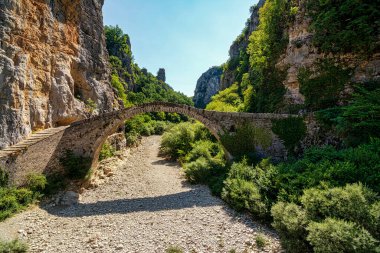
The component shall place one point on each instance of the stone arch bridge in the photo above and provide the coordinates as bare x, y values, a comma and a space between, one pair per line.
41, 152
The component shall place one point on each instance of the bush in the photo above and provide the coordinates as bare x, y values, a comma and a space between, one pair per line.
344, 26
250, 188
260, 240
242, 194
36, 182
360, 120
341, 219
322, 87
205, 164
335, 167
132, 139
227, 100
291, 221
333, 235
107, 151
206, 149
76, 167
350, 203
160, 127
14, 200
14, 246
177, 142
55, 183
174, 249
375, 219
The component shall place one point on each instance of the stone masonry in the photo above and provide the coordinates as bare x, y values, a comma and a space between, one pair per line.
86, 137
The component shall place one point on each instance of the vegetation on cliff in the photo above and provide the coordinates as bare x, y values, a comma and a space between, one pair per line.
134, 85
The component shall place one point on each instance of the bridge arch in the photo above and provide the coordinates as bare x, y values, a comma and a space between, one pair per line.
118, 119
86, 137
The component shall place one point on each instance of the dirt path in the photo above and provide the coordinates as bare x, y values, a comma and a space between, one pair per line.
146, 206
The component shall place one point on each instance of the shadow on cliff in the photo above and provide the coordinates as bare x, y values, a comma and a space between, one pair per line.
195, 197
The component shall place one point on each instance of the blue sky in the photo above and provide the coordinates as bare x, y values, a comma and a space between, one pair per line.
186, 37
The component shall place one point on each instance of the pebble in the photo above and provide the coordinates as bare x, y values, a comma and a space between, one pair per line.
146, 207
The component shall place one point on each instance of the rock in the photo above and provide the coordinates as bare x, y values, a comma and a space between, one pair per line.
119, 247
53, 60
117, 141
207, 86
69, 198
161, 75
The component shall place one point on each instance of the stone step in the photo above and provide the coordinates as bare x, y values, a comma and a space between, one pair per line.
31, 140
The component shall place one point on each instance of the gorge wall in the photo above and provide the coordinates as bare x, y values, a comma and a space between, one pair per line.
207, 86
53, 65
299, 51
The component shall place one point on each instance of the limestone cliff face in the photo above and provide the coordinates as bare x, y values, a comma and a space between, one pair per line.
207, 86
53, 62
241, 44
300, 53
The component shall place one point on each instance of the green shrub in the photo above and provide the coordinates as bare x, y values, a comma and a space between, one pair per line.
206, 149
146, 125
76, 167
375, 219
198, 171
251, 188
322, 87
119, 86
14, 246
14, 200
335, 167
107, 151
291, 221
55, 183
160, 127
205, 164
227, 100
339, 219
290, 130
260, 240
174, 249
177, 142
359, 120
242, 194
36, 182
132, 138
266, 44
351, 203
331, 235
344, 26
24, 196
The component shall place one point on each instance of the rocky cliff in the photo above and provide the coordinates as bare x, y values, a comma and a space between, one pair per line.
207, 86
301, 53
161, 75
240, 46
53, 65
295, 47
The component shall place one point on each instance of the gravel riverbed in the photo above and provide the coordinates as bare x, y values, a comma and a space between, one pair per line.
144, 205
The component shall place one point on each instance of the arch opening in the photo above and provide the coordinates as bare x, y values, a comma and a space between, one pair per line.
118, 120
